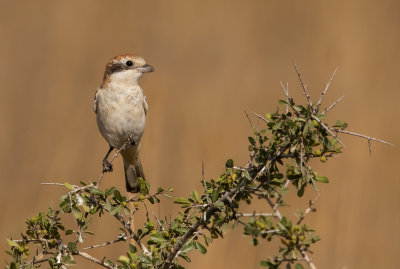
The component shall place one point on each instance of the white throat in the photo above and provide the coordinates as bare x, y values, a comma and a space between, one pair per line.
126, 78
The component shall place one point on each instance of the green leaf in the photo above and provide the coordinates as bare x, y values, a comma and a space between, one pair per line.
96, 191
144, 186
340, 125
76, 212
307, 128
182, 201
229, 163
188, 247
68, 232
276, 126
159, 189
156, 238
264, 263
252, 142
116, 210
144, 258
196, 196
85, 208
124, 260
298, 266
214, 195
118, 196
322, 179
282, 102
201, 248
69, 186
300, 191
12, 243
281, 226
185, 257
72, 246
254, 241
132, 248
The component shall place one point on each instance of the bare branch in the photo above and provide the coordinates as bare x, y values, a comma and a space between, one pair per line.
332, 106
309, 208
39, 258
248, 118
131, 233
57, 184
325, 90
286, 91
89, 257
254, 214
261, 117
131, 217
239, 168
369, 138
122, 238
303, 86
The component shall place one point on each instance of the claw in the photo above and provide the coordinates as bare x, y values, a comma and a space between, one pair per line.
107, 166
131, 140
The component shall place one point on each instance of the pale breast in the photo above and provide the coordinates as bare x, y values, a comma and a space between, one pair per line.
120, 113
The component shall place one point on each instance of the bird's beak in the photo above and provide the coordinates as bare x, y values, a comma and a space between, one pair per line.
145, 68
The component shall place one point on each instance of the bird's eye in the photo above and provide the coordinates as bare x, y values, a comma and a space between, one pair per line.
129, 63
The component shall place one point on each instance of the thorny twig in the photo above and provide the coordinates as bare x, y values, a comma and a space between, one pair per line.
369, 138
89, 257
248, 118
332, 106
303, 86
286, 91
261, 117
309, 209
325, 90
121, 238
254, 214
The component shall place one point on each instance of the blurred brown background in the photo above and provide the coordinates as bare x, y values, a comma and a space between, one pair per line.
214, 60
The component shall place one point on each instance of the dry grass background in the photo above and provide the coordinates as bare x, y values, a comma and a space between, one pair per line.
214, 59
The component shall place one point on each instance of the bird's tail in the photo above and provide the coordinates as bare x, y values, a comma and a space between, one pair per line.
133, 169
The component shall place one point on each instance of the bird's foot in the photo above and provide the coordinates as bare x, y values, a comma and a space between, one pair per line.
107, 166
132, 140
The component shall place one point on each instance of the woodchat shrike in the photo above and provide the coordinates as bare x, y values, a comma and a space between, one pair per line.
120, 106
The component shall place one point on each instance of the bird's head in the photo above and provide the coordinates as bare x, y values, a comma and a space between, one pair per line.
126, 68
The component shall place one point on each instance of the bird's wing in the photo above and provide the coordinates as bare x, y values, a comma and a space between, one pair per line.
145, 105
95, 101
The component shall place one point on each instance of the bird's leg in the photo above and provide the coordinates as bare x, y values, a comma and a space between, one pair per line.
107, 166
132, 140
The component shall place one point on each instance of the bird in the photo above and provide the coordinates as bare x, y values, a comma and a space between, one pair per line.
120, 106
